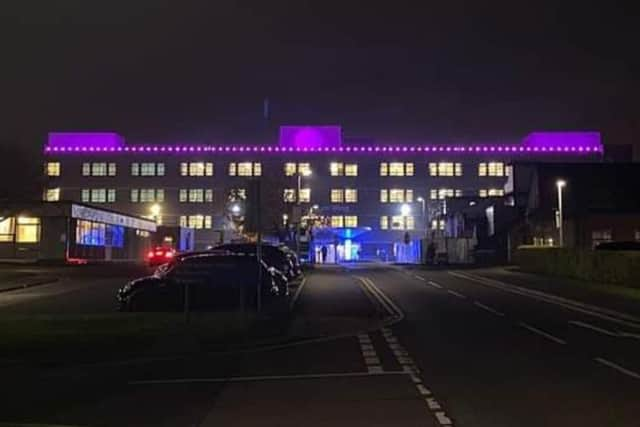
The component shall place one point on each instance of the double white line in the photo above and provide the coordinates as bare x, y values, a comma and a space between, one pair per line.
394, 312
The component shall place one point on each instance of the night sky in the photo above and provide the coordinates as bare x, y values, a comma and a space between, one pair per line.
158, 71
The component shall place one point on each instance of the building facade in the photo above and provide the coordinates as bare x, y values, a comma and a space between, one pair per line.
367, 198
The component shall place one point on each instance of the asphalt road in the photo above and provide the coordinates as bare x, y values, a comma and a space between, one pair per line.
393, 347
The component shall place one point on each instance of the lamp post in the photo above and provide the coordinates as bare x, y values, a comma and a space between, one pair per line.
305, 172
560, 184
424, 219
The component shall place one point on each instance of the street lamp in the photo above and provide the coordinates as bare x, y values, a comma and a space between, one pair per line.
424, 218
405, 209
155, 210
305, 172
560, 184
235, 209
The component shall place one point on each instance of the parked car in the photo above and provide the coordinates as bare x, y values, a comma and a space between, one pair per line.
160, 255
272, 255
212, 281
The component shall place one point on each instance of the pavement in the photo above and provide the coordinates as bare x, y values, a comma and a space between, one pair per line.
392, 346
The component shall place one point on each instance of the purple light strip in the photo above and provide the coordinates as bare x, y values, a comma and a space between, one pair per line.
346, 149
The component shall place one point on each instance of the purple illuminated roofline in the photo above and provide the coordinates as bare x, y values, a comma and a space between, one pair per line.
419, 149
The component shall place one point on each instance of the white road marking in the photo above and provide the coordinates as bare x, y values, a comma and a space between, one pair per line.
416, 379
592, 310
423, 390
617, 367
434, 284
369, 353
391, 340
542, 333
592, 327
395, 313
367, 347
487, 308
420, 278
405, 360
373, 360
266, 378
443, 419
395, 346
375, 369
432, 403
294, 300
617, 334
457, 294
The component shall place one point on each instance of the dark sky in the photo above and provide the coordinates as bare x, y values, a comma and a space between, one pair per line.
159, 71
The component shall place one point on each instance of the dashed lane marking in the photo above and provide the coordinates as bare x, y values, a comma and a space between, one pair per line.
487, 308
592, 310
420, 278
542, 333
372, 360
456, 294
434, 284
443, 419
423, 390
432, 403
368, 353
617, 334
618, 368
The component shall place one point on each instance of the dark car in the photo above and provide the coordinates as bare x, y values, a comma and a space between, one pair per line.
212, 281
272, 255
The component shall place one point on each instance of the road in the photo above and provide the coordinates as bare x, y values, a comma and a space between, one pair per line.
392, 347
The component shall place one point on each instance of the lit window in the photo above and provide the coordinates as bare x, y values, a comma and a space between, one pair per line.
442, 193
85, 195
337, 195
409, 223
397, 195
196, 195
491, 192
350, 195
86, 169
336, 168
351, 169
305, 195
195, 221
445, 169
437, 224
98, 195
98, 169
289, 195
397, 222
491, 169
289, 169
6, 230
384, 195
160, 169
135, 169
245, 169
111, 169
304, 169
350, 221
53, 168
384, 223
600, 236
237, 194
396, 169
147, 169
111, 195
28, 230
147, 195
337, 221
194, 169
52, 195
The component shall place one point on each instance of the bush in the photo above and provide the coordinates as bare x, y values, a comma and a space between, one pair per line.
616, 267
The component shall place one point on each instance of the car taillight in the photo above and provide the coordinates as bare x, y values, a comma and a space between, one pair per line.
168, 254
150, 254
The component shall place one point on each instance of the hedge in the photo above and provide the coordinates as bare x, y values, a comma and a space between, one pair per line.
616, 267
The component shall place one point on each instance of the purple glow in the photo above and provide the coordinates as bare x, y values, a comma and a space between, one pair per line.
312, 137
85, 139
589, 141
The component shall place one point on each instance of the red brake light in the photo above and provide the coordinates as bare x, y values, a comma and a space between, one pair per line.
150, 254
168, 254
